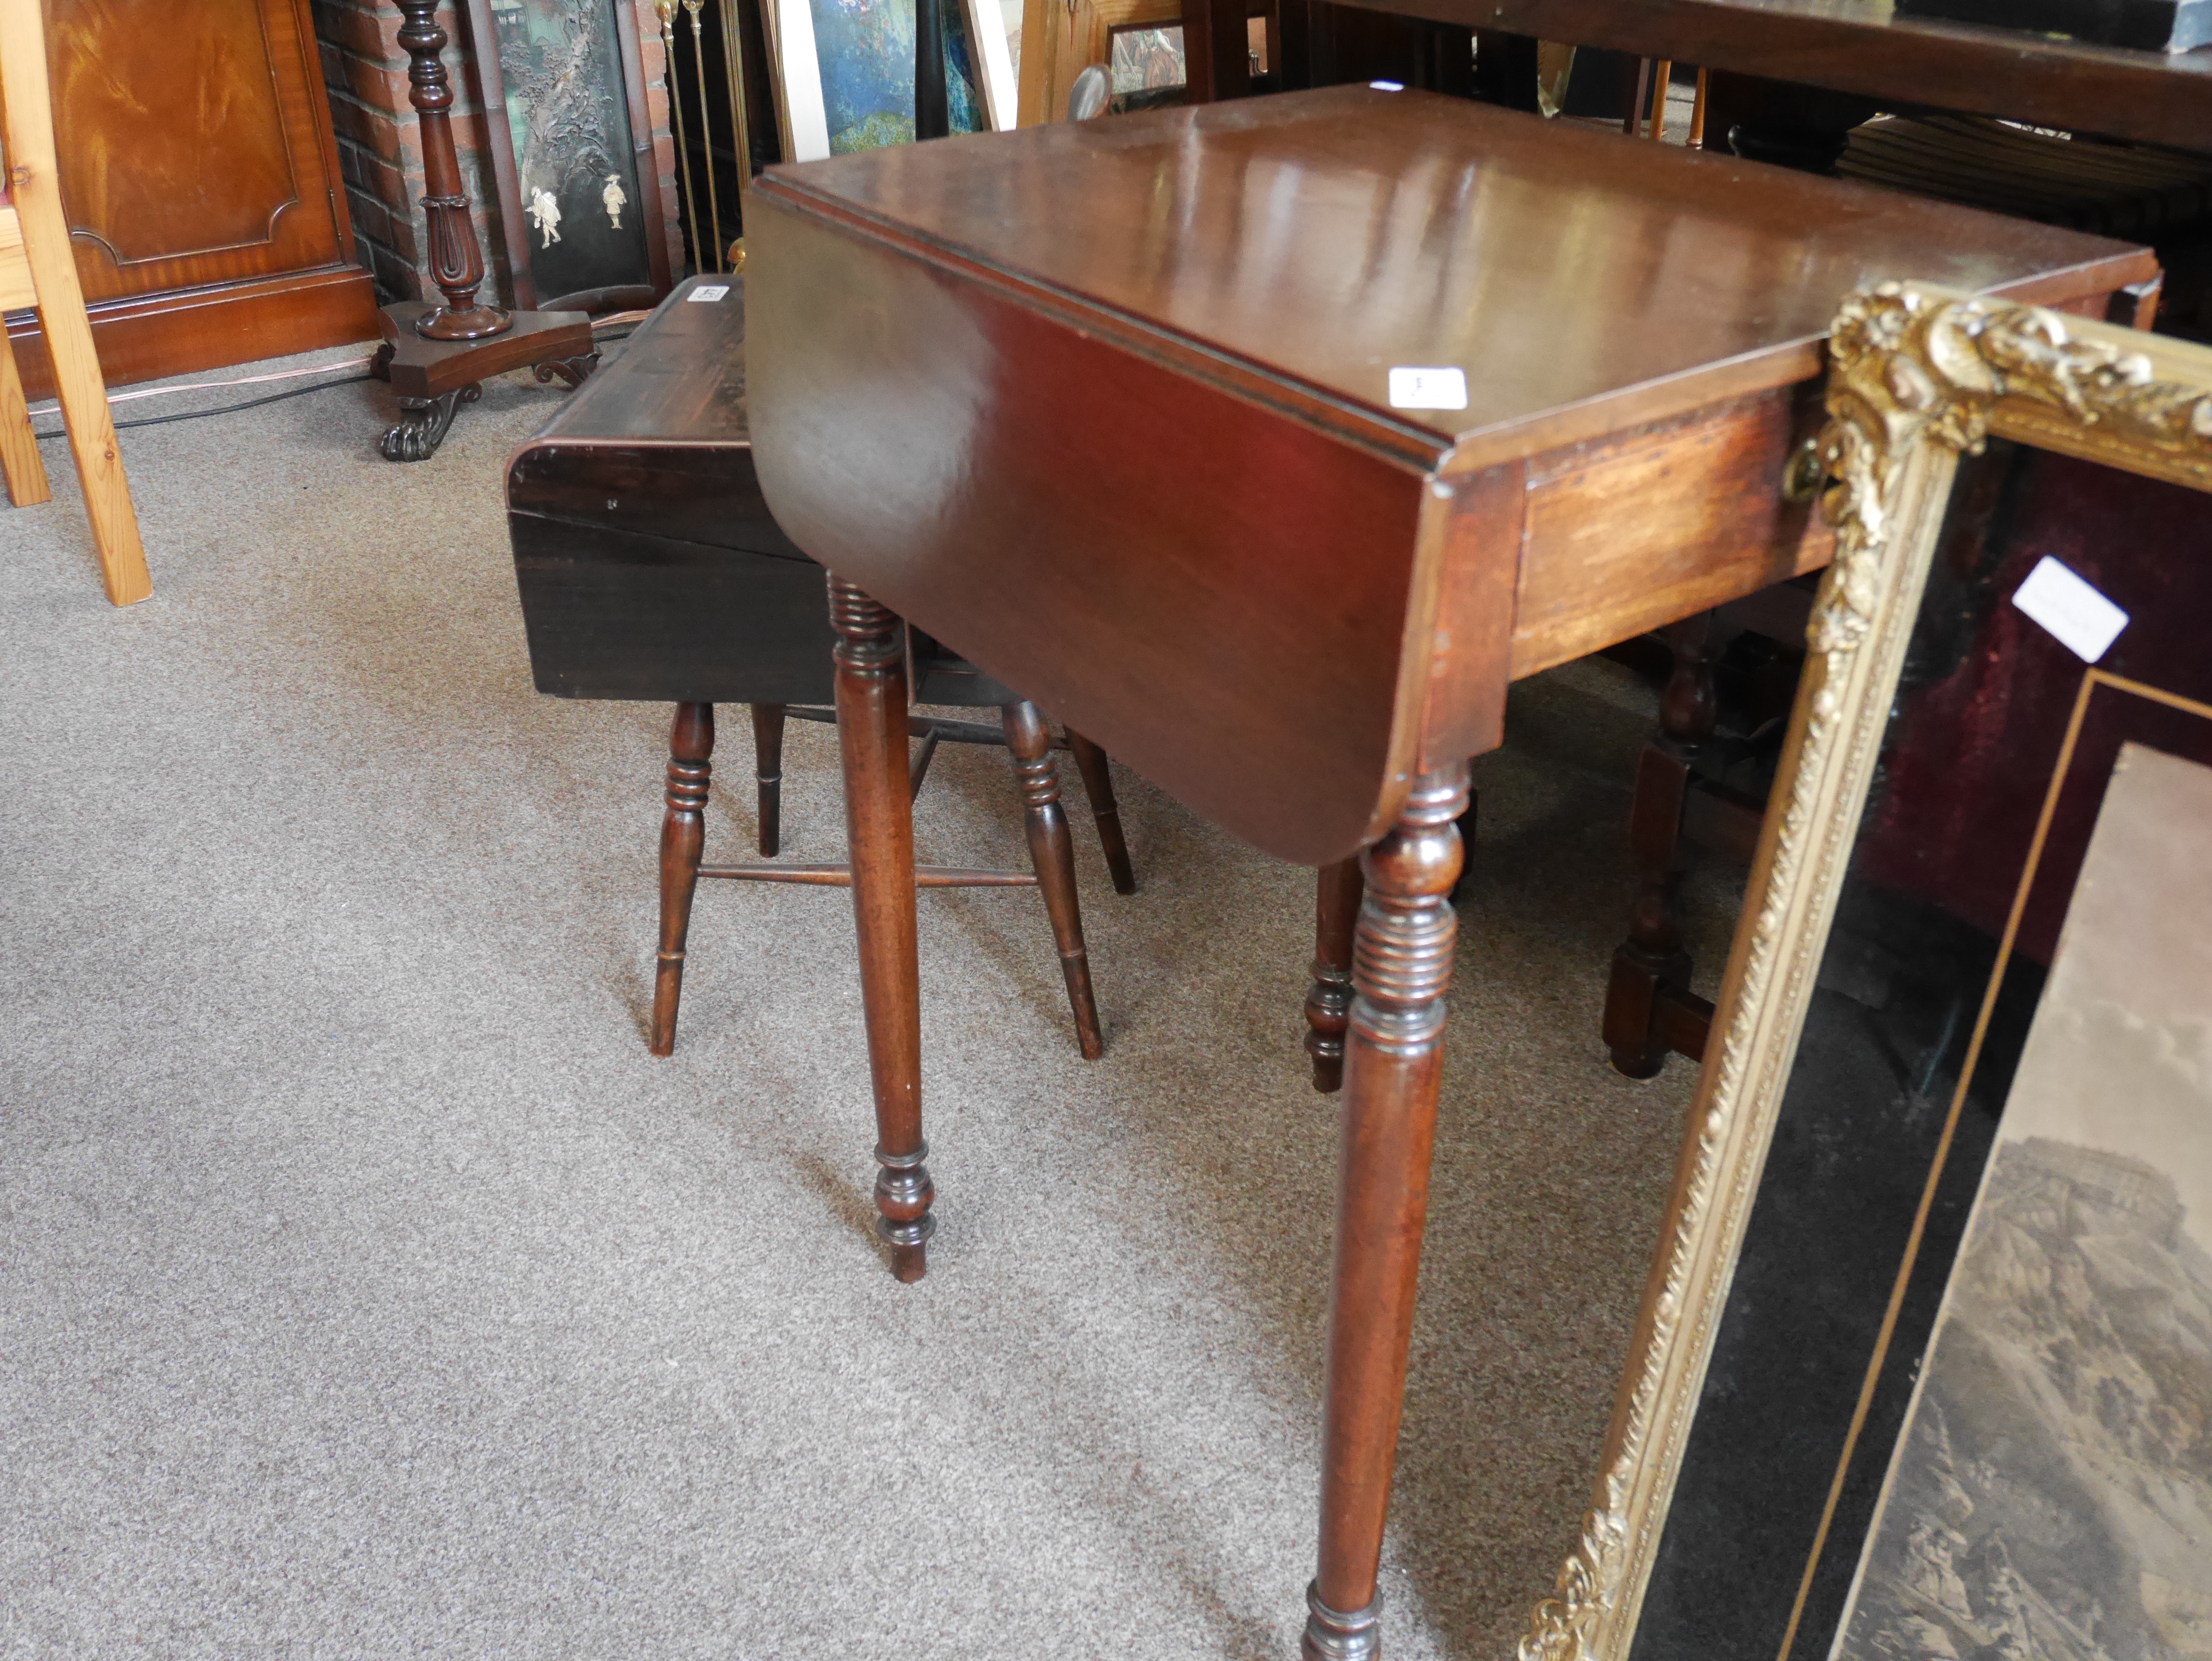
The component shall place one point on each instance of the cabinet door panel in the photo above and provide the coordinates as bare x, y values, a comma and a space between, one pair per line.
192, 142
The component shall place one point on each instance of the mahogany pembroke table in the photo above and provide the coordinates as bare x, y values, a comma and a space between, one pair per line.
1108, 408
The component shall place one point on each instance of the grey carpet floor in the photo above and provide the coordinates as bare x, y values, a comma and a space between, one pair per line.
366, 1289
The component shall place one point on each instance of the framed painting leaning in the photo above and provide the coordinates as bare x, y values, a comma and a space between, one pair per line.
1924, 1371
845, 71
579, 203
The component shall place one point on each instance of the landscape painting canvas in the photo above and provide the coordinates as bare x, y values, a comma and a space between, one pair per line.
863, 51
848, 72
2051, 1498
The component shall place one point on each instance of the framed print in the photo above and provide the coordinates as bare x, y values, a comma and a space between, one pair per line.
2051, 1492
578, 194
1996, 675
845, 71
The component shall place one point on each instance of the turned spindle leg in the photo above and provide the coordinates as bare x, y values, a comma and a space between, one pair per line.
1098, 785
871, 734
1050, 852
1328, 1006
1393, 1065
768, 769
683, 833
1651, 960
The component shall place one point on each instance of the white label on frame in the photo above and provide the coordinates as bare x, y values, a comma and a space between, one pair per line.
2084, 621
1428, 389
708, 291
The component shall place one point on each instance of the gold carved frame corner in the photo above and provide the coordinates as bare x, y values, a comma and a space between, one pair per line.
1918, 376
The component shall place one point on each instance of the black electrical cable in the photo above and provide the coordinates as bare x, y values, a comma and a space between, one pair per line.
256, 403
226, 409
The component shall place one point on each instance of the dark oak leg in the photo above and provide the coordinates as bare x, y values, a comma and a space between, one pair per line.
1098, 785
683, 834
768, 768
1328, 1006
1394, 1063
1050, 852
879, 830
1651, 960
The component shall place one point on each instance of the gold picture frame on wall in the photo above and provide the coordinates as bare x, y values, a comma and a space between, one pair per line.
1919, 377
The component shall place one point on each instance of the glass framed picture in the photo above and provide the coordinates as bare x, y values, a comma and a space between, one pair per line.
578, 194
845, 72
1925, 1370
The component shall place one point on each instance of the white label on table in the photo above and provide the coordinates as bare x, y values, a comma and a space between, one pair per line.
1428, 389
1387, 85
2085, 622
708, 291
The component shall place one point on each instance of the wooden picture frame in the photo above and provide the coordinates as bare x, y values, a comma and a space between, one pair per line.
805, 116
1062, 38
1918, 377
616, 272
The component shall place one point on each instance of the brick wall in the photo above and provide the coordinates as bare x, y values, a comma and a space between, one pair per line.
380, 144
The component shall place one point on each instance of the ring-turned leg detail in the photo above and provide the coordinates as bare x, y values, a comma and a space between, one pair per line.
683, 836
1328, 1006
872, 720
1030, 741
1335, 1636
1394, 1061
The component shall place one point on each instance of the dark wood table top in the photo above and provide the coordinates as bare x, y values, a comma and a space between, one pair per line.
1300, 246
1864, 46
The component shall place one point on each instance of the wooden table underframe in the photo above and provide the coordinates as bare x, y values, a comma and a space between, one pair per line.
1134, 458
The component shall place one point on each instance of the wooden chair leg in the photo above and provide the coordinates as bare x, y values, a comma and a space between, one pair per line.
1652, 962
1030, 741
1394, 1063
1328, 1006
871, 715
1099, 786
34, 186
19, 461
768, 769
683, 835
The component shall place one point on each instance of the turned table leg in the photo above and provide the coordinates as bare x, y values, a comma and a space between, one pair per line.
1651, 960
872, 732
1098, 784
768, 772
683, 834
1030, 742
1328, 1006
1393, 1065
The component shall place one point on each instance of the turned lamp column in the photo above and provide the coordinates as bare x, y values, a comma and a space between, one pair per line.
456, 262
436, 355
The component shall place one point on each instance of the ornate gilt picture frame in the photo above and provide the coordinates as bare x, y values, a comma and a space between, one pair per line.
1919, 376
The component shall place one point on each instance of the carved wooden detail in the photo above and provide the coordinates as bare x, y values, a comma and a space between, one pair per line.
1030, 740
682, 838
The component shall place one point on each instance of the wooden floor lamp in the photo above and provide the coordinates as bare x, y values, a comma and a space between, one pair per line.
436, 356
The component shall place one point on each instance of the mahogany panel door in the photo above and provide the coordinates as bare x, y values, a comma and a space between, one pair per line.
201, 183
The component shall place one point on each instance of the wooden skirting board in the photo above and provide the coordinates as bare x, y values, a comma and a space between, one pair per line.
146, 337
